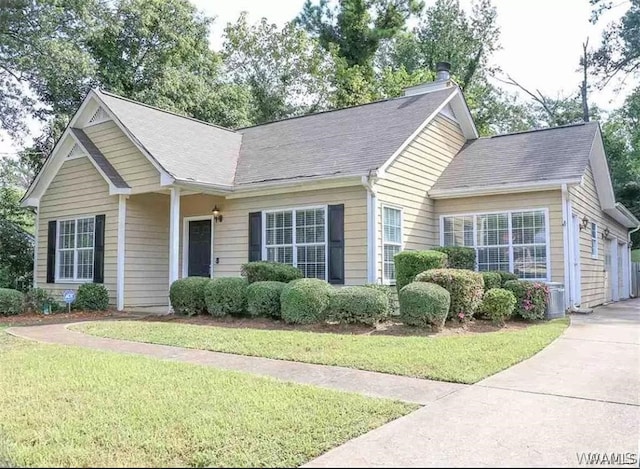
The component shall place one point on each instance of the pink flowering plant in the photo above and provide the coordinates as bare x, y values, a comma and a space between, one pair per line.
532, 298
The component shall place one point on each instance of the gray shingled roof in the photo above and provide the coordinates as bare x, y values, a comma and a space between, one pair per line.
535, 156
96, 155
346, 141
186, 148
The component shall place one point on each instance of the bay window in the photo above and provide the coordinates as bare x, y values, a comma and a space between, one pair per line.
75, 249
391, 241
515, 241
298, 237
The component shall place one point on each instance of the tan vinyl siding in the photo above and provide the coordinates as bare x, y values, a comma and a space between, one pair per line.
552, 200
147, 251
408, 179
125, 157
231, 235
78, 191
594, 281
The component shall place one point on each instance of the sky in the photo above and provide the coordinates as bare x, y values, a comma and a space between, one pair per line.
541, 40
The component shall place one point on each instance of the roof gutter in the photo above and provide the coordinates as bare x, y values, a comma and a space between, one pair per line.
308, 183
502, 189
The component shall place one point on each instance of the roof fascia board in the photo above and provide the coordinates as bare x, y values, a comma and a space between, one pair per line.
260, 189
382, 170
164, 174
45, 170
600, 169
464, 117
502, 189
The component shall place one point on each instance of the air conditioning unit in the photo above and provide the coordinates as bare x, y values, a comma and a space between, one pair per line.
556, 307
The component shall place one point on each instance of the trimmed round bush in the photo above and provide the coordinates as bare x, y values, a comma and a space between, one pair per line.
532, 298
498, 304
506, 276
266, 271
358, 304
92, 297
410, 263
392, 296
424, 304
10, 301
263, 298
459, 257
491, 280
226, 295
465, 287
187, 295
305, 301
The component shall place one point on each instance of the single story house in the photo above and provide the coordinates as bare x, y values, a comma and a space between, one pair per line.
136, 197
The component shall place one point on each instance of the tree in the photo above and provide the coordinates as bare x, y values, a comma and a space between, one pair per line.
356, 27
619, 52
286, 71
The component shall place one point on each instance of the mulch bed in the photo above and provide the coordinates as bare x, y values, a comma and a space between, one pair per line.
34, 319
392, 328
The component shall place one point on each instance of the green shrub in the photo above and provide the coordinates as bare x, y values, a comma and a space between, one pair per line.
305, 301
506, 276
498, 304
459, 257
532, 298
424, 304
392, 296
226, 295
263, 298
266, 271
187, 295
36, 299
465, 287
410, 263
491, 280
10, 301
358, 304
92, 297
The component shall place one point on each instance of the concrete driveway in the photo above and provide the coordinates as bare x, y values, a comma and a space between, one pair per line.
579, 395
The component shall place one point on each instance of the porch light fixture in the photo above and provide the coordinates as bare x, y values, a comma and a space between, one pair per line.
217, 216
605, 233
584, 224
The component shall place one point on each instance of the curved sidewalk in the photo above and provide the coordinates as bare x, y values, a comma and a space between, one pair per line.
420, 391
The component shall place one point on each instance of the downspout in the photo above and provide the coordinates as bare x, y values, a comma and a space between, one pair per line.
567, 246
372, 211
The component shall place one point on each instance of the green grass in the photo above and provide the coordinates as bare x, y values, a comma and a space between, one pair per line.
461, 359
635, 255
71, 407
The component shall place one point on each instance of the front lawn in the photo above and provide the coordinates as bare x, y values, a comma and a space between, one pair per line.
72, 407
461, 359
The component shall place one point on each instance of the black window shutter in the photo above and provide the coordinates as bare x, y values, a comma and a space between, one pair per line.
336, 244
51, 251
255, 236
98, 250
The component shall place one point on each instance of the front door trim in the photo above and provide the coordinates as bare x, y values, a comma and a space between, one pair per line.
185, 243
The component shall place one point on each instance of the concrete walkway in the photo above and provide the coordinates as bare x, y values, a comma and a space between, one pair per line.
580, 394
414, 390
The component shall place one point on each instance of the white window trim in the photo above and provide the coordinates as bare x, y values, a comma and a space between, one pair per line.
75, 278
185, 243
511, 245
294, 245
385, 280
594, 240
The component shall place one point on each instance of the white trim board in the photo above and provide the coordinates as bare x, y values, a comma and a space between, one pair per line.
185, 243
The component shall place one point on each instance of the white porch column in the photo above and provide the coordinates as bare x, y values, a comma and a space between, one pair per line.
174, 234
122, 219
